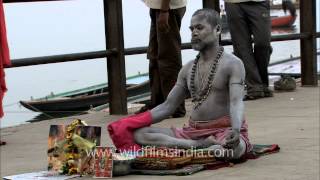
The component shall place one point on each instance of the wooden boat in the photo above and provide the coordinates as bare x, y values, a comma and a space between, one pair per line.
134, 103
83, 99
276, 21
283, 21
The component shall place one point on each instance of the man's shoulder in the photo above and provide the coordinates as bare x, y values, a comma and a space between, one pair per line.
231, 63
186, 68
230, 59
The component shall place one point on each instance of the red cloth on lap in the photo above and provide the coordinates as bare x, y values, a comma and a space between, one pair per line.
121, 131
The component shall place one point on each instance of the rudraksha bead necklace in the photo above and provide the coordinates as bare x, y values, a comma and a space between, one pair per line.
203, 93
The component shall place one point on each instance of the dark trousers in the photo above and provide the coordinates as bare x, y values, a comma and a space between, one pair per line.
164, 53
245, 20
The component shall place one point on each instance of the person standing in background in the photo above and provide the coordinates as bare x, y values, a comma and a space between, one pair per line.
247, 18
164, 51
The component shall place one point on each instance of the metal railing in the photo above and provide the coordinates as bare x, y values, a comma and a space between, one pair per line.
129, 51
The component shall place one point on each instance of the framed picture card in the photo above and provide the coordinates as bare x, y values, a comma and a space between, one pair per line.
103, 162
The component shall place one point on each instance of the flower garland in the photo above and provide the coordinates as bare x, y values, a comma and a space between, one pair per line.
71, 150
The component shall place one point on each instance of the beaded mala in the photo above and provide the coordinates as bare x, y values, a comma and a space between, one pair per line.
203, 94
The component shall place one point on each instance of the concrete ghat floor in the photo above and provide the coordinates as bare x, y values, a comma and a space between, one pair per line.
290, 119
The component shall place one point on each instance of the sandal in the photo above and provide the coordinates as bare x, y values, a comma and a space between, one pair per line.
253, 95
248, 98
268, 93
2, 143
285, 83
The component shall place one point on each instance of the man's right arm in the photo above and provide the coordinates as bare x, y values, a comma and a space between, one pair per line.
175, 98
164, 110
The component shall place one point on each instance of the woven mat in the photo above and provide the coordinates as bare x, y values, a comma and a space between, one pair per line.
258, 150
187, 170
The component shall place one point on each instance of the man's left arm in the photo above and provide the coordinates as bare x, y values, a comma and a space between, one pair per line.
163, 20
236, 91
165, 5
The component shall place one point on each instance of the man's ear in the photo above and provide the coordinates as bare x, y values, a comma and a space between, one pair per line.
218, 29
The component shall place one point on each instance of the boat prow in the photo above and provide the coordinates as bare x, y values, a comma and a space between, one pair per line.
283, 21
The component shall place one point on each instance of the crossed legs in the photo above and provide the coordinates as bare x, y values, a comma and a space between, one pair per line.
154, 136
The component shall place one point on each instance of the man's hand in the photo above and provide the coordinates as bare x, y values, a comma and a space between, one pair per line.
163, 21
232, 139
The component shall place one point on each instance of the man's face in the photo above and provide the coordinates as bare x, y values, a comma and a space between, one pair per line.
202, 33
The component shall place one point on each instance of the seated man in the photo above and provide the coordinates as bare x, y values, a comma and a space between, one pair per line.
215, 81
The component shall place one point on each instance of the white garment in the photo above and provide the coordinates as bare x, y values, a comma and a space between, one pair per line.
174, 4
239, 1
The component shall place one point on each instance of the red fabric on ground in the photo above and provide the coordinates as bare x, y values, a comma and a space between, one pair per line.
121, 131
4, 55
260, 150
257, 151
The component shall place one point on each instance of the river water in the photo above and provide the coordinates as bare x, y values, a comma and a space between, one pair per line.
50, 28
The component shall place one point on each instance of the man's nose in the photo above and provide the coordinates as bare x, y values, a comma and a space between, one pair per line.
195, 33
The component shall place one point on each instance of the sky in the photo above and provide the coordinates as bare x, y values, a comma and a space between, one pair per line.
62, 24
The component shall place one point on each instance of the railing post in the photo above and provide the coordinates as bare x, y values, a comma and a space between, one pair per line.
308, 46
214, 4
115, 63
